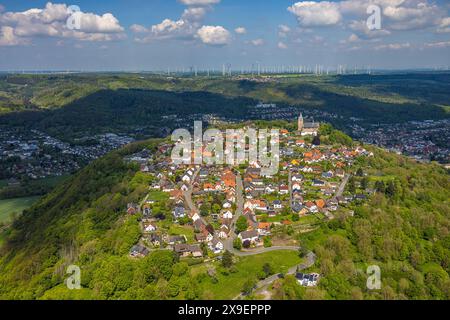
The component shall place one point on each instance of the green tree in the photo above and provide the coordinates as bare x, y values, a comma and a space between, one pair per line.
351, 185
237, 244
227, 259
241, 224
248, 286
267, 242
360, 172
267, 269
391, 189
364, 183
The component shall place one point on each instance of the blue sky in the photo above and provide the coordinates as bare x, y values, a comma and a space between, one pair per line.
157, 34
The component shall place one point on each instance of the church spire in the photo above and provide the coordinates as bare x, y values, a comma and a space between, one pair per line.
300, 122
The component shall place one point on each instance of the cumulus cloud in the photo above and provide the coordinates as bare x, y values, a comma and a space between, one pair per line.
393, 46
185, 28
51, 21
420, 15
283, 30
441, 44
8, 38
444, 25
137, 28
397, 15
257, 42
199, 2
316, 14
193, 14
282, 45
240, 30
362, 31
214, 35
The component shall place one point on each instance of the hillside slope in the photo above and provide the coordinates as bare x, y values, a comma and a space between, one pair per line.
83, 222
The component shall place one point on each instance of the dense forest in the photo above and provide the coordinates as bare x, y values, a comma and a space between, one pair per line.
127, 110
404, 229
95, 103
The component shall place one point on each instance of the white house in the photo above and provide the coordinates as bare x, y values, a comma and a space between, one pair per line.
251, 236
150, 228
224, 231
216, 246
227, 214
226, 205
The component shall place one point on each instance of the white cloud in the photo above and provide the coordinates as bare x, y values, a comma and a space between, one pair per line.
214, 35
240, 30
282, 45
185, 28
414, 16
442, 44
257, 42
137, 28
362, 31
444, 25
199, 2
51, 21
393, 46
193, 14
316, 14
398, 15
353, 38
8, 38
283, 30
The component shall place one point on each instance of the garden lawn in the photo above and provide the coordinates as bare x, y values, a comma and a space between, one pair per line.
16, 205
229, 286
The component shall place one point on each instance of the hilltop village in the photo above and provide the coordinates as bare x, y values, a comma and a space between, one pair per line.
202, 211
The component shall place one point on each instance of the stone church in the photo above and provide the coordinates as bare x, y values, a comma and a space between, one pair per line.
307, 128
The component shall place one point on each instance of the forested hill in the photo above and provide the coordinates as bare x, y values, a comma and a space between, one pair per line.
83, 221
125, 110
115, 101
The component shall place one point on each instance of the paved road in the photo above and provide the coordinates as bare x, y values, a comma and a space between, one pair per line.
291, 200
342, 186
188, 194
228, 243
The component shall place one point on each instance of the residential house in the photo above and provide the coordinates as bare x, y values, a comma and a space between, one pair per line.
150, 228
216, 246
318, 183
252, 236
307, 280
139, 251
277, 204
264, 228
178, 212
173, 240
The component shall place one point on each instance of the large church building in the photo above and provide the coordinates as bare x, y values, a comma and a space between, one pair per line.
307, 128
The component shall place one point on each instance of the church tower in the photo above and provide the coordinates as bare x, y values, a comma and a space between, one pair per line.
300, 123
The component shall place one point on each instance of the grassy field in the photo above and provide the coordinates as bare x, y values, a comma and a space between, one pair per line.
7, 207
3, 183
182, 230
158, 196
229, 286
